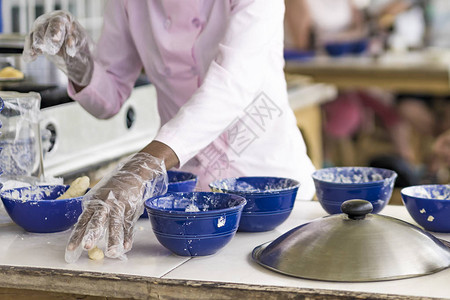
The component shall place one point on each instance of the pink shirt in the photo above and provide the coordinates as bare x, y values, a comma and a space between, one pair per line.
217, 66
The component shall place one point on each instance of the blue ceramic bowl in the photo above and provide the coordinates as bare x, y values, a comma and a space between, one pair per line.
336, 185
346, 48
195, 223
429, 205
179, 181
300, 55
36, 210
269, 199
338, 49
360, 46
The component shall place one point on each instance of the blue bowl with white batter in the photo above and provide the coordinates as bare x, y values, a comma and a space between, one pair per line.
36, 209
270, 200
195, 223
339, 184
429, 205
178, 181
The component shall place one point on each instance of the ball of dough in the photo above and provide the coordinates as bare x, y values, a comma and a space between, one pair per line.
96, 254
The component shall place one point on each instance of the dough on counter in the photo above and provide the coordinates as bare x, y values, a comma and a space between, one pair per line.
11, 73
77, 188
96, 253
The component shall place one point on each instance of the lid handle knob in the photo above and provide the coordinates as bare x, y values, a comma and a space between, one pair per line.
356, 209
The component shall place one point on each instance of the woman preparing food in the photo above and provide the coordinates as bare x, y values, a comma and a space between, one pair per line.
218, 70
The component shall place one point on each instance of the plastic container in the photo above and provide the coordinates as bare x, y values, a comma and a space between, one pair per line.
22, 154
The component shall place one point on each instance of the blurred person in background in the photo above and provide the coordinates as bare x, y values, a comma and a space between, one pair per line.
312, 24
438, 16
439, 39
218, 70
402, 24
334, 24
441, 148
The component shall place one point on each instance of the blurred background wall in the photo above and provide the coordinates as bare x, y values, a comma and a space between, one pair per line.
18, 15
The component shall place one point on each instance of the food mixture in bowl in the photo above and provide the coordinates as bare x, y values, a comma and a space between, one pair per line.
352, 174
53, 208
254, 184
438, 192
339, 184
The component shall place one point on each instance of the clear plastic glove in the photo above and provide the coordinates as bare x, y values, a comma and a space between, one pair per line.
113, 206
59, 37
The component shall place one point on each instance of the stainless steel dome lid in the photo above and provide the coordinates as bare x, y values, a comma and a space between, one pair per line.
355, 246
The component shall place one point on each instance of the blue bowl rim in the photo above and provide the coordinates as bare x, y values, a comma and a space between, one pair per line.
404, 191
195, 236
3, 197
162, 212
266, 213
296, 184
182, 181
214, 214
376, 182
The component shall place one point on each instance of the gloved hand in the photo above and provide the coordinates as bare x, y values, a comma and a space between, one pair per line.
64, 41
112, 207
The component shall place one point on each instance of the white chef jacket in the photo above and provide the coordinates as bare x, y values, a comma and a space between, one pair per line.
218, 70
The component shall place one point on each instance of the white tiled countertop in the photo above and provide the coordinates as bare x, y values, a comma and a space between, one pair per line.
232, 265
46, 250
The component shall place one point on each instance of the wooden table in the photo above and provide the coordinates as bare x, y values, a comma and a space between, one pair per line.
33, 266
412, 73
